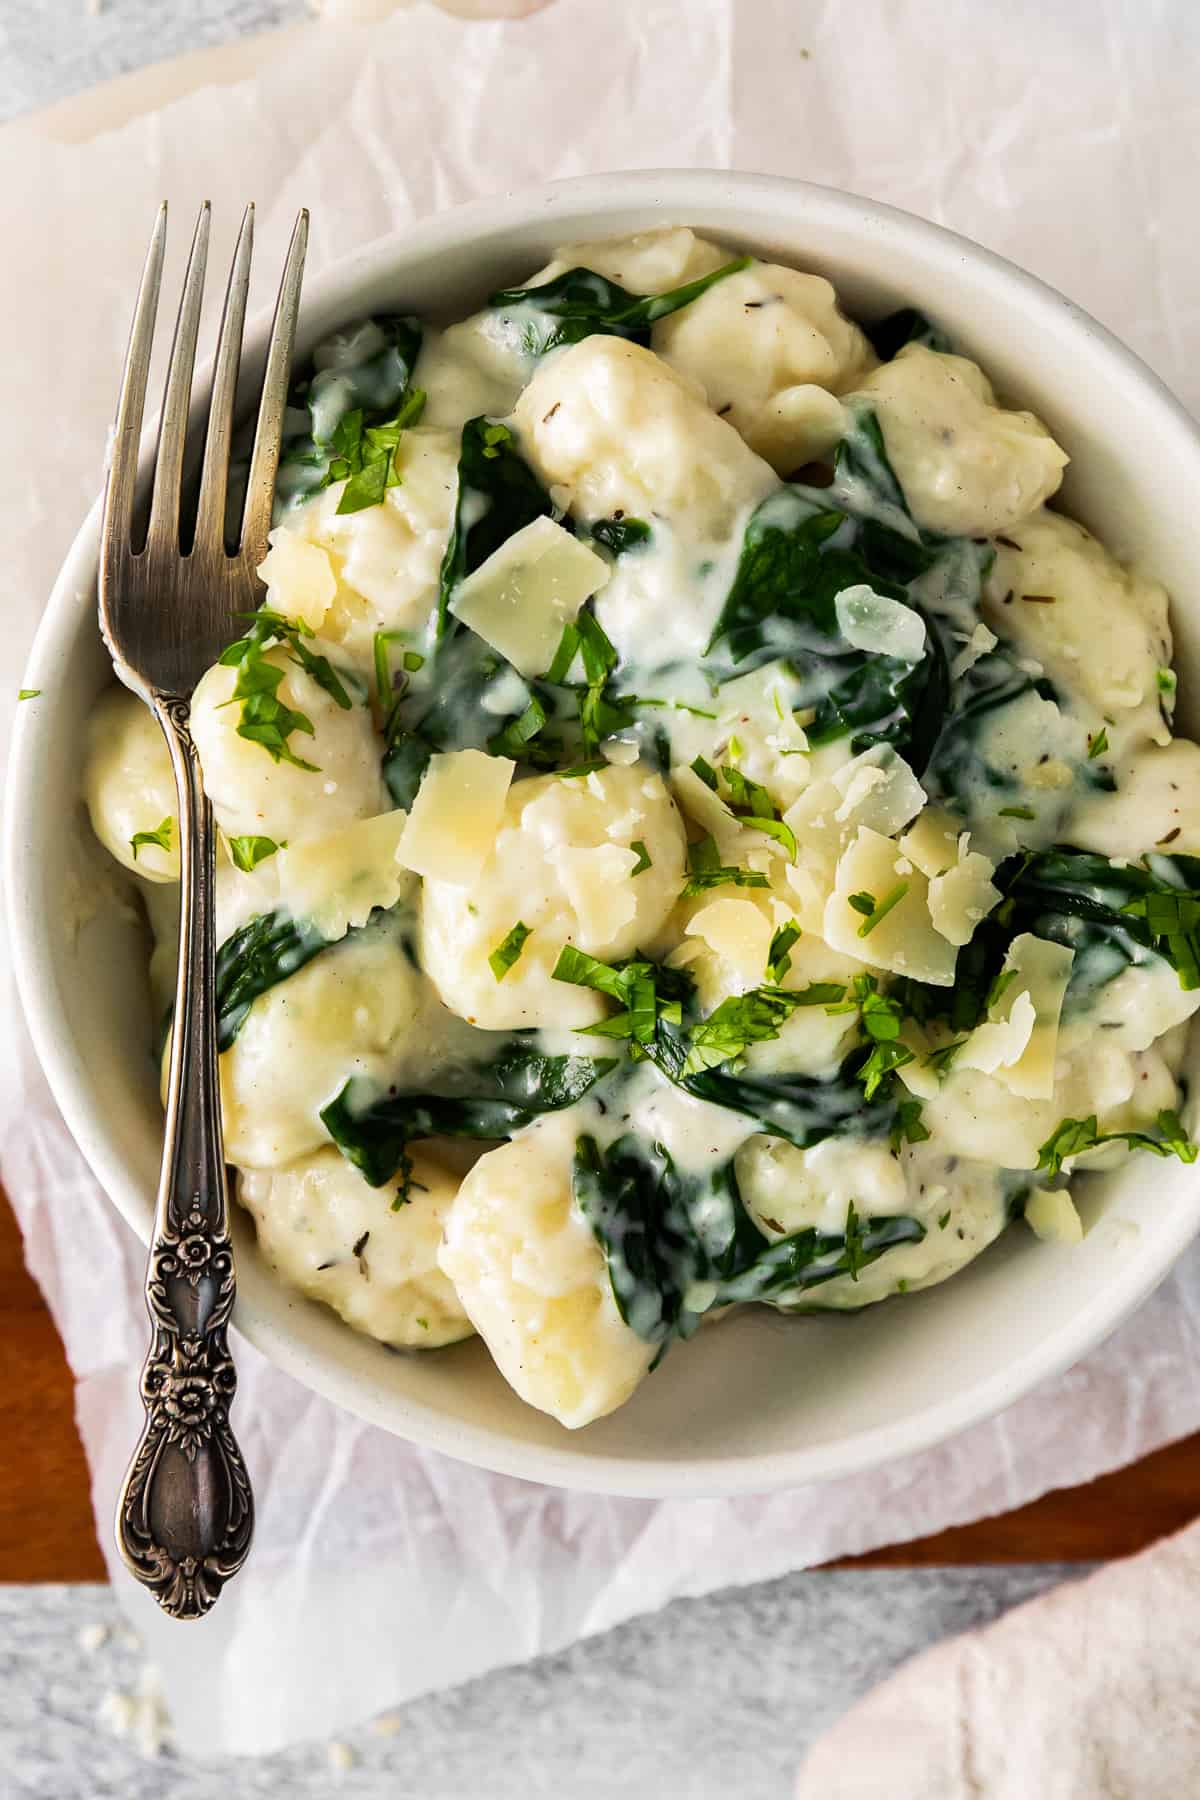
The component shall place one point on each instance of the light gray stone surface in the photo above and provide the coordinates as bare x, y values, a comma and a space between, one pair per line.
708, 1700
712, 1697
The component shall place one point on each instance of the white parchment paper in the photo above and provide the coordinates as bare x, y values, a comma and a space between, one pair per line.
1055, 133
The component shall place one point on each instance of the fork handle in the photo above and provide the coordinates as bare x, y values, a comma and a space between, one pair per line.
186, 1514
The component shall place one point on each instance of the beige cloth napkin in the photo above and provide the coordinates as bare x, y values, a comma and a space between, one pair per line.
1091, 1692
1007, 123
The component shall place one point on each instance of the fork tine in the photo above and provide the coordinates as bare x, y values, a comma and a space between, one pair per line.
127, 429
268, 432
214, 478
172, 431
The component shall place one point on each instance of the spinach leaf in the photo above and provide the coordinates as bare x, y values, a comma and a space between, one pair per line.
620, 534
889, 335
263, 952
797, 556
579, 303
332, 413
663, 1233
958, 769
490, 1098
498, 495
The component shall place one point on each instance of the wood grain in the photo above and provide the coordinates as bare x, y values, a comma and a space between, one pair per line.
47, 1531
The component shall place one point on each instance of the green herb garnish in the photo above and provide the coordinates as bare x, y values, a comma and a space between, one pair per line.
248, 852
643, 858
1074, 1136
778, 959
161, 836
505, 954
878, 910
1098, 744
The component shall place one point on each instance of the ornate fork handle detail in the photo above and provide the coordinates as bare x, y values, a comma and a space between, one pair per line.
186, 1514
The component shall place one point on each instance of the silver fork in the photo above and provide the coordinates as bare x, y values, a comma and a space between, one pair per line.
186, 1513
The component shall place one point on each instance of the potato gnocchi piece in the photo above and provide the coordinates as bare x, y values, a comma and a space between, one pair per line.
252, 794
1097, 627
534, 1282
971, 1114
960, 1202
562, 866
771, 347
338, 1240
354, 1010
1157, 803
649, 262
469, 369
128, 784
966, 465
349, 575
616, 430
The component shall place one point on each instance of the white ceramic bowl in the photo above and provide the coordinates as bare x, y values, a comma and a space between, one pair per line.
764, 1401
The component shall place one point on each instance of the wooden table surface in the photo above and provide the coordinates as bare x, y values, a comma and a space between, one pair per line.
47, 1532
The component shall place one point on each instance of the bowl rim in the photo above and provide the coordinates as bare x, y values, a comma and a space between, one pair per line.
672, 193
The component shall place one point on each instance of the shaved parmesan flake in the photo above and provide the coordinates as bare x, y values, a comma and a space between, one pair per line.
710, 813
1043, 971
884, 805
904, 939
999, 1043
300, 580
932, 841
880, 625
519, 600
335, 882
597, 884
739, 933
455, 816
1051, 1215
978, 644
962, 898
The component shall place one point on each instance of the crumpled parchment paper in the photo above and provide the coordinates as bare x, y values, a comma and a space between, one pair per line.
1053, 134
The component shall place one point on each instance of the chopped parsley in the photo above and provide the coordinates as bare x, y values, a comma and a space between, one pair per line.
941, 1058
161, 836
248, 852
505, 954
1098, 744
877, 910
643, 858
854, 1252
28, 693
632, 985
944, 1221
909, 1128
265, 718
884, 1058
778, 959
706, 772
1016, 812
365, 457
708, 871
739, 1021
1074, 1136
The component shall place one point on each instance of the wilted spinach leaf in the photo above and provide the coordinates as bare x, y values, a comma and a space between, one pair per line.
490, 1098
579, 303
